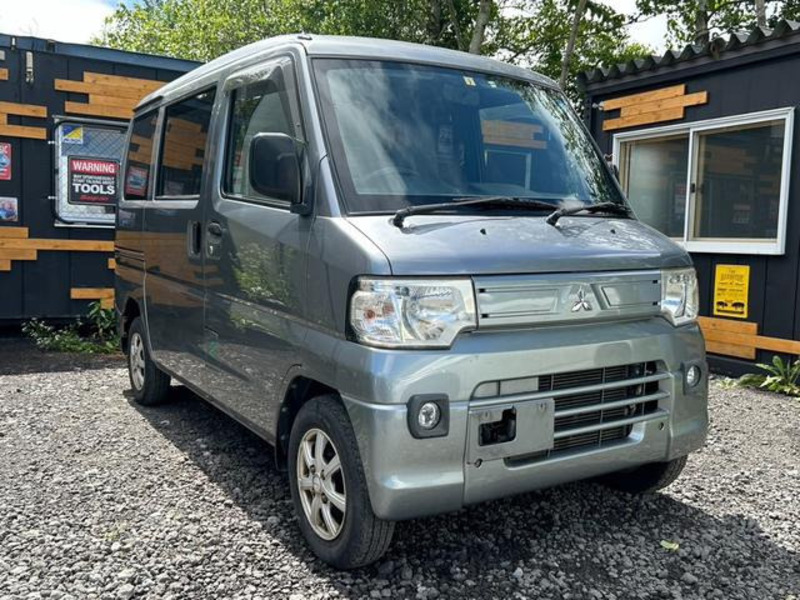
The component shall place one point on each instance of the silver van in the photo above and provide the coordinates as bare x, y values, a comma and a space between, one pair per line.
409, 270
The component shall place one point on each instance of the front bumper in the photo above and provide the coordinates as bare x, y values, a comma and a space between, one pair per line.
409, 477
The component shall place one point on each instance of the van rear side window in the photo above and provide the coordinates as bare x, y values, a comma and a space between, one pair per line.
184, 145
140, 157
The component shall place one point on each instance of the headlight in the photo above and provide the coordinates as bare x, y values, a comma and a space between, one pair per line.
405, 313
679, 298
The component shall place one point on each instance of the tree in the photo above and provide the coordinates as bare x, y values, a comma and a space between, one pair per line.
532, 33
699, 20
576, 22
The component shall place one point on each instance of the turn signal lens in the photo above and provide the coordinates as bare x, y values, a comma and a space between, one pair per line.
679, 296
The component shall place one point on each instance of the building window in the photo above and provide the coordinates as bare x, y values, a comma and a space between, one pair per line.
653, 174
183, 149
716, 186
88, 156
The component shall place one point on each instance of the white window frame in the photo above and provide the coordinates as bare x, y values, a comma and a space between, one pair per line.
732, 245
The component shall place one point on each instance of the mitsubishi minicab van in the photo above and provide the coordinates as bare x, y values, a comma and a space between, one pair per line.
411, 271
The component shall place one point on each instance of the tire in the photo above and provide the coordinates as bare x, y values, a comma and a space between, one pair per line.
150, 384
647, 478
345, 539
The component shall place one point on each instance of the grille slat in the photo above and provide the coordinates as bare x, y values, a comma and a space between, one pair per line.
605, 436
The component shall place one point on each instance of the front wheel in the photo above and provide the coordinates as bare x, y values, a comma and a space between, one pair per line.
647, 478
149, 383
329, 489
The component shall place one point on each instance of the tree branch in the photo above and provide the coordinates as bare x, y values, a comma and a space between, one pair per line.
484, 12
451, 6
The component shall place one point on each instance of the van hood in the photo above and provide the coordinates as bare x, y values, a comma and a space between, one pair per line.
476, 245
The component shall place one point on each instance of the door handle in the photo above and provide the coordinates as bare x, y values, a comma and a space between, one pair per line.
214, 229
193, 239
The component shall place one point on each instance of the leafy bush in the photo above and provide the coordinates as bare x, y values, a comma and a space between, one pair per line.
781, 376
97, 334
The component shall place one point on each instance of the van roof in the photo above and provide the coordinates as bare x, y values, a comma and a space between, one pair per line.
343, 46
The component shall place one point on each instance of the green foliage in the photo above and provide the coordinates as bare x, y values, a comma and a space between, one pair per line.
95, 335
781, 376
531, 33
685, 18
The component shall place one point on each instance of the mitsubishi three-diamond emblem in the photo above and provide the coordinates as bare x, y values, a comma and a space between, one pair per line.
581, 303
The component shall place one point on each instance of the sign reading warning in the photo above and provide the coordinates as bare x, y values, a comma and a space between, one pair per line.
731, 288
93, 181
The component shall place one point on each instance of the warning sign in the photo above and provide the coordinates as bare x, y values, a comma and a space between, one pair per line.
93, 181
5, 161
731, 287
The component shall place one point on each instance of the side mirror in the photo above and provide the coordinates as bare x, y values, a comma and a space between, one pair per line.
275, 167
611, 165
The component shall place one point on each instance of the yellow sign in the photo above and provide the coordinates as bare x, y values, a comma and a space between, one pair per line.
731, 287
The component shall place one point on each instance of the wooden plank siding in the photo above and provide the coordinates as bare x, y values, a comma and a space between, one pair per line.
20, 109
655, 106
110, 96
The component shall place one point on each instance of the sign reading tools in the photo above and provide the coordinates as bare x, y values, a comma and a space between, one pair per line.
93, 181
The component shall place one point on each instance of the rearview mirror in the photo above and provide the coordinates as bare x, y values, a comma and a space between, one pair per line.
275, 167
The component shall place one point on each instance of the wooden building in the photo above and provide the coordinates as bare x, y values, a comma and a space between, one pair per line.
707, 152
64, 109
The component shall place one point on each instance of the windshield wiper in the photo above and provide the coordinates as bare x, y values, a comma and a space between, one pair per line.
516, 201
609, 207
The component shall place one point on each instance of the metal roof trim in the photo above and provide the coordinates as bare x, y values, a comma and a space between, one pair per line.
716, 48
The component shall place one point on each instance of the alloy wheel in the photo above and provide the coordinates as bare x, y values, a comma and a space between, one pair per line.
320, 481
136, 359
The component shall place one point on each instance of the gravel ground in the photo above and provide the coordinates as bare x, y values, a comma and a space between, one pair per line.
100, 498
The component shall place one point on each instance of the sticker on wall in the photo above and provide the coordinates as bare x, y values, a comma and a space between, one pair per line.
93, 181
9, 209
5, 161
71, 134
731, 288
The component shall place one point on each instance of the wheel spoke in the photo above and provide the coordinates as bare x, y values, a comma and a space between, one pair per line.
316, 505
319, 449
308, 457
332, 466
330, 522
334, 497
306, 483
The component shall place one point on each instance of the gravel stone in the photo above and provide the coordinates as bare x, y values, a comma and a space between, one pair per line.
101, 499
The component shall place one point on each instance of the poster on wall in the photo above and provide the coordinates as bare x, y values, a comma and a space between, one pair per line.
9, 209
5, 161
731, 289
93, 181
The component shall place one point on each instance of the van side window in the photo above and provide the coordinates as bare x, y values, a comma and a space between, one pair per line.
140, 157
185, 133
261, 107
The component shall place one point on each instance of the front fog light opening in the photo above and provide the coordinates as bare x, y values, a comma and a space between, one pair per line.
693, 375
428, 415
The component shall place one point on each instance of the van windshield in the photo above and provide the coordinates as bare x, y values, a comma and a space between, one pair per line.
407, 134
